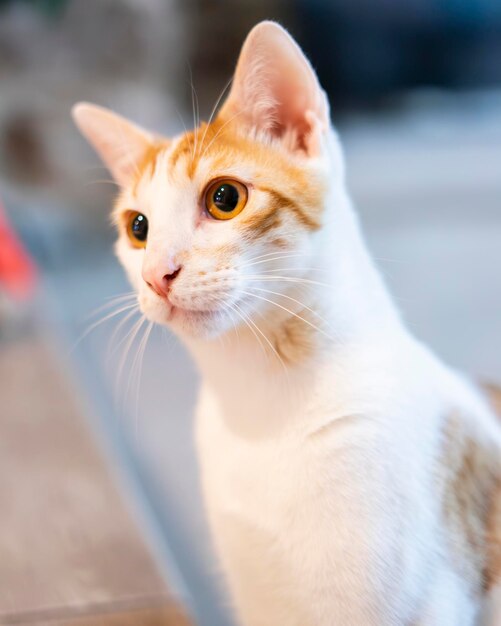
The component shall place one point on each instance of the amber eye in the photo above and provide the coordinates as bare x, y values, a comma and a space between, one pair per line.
224, 199
137, 229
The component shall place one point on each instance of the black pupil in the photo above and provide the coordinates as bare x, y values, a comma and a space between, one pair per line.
226, 198
140, 227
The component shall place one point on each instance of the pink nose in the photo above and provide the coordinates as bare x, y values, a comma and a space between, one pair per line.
160, 283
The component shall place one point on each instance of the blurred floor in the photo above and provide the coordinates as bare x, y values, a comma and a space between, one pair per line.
70, 550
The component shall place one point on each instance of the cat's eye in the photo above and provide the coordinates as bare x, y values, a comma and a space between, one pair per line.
224, 199
137, 229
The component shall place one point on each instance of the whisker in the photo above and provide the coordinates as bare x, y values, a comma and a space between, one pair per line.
101, 321
284, 269
235, 325
126, 393
295, 269
196, 113
138, 363
244, 318
126, 294
181, 119
220, 130
184, 127
213, 112
301, 304
112, 300
131, 336
272, 257
261, 256
268, 342
299, 317
112, 350
290, 279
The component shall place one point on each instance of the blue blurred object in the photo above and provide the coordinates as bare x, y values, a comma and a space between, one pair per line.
366, 52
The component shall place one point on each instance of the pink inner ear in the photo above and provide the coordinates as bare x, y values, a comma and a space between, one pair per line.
275, 90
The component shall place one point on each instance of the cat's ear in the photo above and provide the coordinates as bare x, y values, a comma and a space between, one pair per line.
121, 144
275, 90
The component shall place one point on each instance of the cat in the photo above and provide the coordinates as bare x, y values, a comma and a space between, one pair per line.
350, 477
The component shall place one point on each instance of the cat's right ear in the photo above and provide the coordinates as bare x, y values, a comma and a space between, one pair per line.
275, 91
121, 144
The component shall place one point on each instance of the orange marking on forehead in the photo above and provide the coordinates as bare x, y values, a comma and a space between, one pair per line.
223, 143
183, 148
193, 145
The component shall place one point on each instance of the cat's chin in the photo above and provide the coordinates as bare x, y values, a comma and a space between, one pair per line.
192, 323
195, 323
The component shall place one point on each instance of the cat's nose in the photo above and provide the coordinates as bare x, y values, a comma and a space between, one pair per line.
160, 283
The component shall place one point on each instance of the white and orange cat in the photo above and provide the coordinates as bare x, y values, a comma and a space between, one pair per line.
351, 479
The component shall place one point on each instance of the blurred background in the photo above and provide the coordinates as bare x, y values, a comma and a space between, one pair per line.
415, 91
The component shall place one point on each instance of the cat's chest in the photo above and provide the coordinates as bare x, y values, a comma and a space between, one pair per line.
269, 479
245, 475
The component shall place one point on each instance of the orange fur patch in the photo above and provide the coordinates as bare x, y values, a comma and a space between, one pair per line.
493, 568
184, 150
494, 396
280, 243
469, 475
259, 224
282, 202
492, 575
295, 340
287, 182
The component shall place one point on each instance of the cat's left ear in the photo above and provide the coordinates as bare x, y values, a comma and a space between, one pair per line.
275, 91
121, 144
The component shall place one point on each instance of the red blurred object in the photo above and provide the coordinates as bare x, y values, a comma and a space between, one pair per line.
17, 270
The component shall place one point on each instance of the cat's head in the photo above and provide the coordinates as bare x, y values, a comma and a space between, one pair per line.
218, 225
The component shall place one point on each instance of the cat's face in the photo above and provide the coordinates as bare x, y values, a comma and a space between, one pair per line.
216, 227
203, 236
